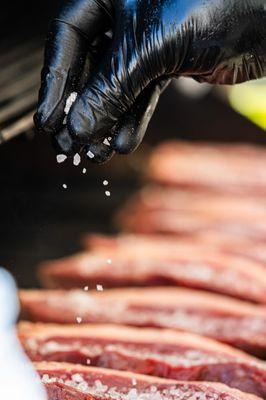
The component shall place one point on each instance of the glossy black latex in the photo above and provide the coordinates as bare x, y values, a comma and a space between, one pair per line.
119, 55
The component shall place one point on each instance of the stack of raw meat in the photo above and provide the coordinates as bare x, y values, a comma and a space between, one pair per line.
172, 308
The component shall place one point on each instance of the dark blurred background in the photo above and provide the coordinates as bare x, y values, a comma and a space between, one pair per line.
38, 218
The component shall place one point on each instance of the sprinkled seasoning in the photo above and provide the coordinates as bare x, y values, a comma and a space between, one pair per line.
90, 154
76, 159
64, 186
86, 288
109, 261
70, 100
105, 182
84, 171
61, 158
106, 142
107, 193
99, 390
79, 320
99, 288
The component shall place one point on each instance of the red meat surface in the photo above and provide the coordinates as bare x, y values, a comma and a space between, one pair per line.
214, 167
68, 381
172, 211
163, 353
161, 244
146, 262
231, 321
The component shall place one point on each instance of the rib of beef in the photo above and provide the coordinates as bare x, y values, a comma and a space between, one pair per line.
147, 262
171, 211
220, 168
235, 322
163, 353
67, 381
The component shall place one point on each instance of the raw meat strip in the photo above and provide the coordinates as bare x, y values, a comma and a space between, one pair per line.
163, 353
235, 322
171, 211
214, 167
161, 244
68, 381
151, 263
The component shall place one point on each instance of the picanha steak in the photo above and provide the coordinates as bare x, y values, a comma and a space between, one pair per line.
214, 167
231, 321
148, 263
69, 381
172, 211
163, 353
225, 242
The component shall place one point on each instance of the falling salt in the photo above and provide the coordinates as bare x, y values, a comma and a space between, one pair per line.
105, 182
77, 378
90, 154
64, 186
61, 158
76, 159
88, 361
70, 100
79, 320
84, 171
106, 142
107, 193
99, 288
109, 261
86, 288
134, 382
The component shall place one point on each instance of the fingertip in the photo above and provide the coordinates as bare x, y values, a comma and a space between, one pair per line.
99, 153
42, 123
128, 136
78, 122
64, 143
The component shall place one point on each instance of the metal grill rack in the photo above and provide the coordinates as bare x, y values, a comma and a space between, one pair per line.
19, 81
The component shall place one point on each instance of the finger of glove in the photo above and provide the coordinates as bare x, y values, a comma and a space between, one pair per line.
109, 93
99, 153
130, 130
76, 26
64, 143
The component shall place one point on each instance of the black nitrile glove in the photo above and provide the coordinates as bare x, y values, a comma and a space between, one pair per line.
148, 42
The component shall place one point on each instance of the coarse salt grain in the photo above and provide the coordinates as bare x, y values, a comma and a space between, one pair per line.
88, 361
109, 261
107, 193
99, 288
77, 378
70, 100
84, 171
86, 288
106, 142
61, 158
105, 182
134, 382
76, 159
90, 154
79, 320
64, 186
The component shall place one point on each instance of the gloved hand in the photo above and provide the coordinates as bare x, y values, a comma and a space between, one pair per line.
133, 48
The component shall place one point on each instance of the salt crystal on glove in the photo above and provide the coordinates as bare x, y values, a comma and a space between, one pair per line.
70, 100
90, 154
